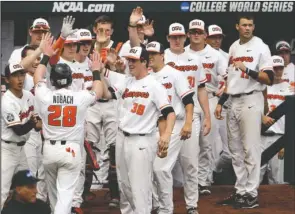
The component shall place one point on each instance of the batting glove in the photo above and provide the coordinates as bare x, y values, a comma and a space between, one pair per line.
67, 27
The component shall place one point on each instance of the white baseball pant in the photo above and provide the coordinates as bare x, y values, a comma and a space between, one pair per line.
102, 119
244, 125
186, 152
62, 166
135, 156
33, 151
13, 159
206, 144
273, 168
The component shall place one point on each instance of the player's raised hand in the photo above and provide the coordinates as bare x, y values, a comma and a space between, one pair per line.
112, 56
101, 36
120, 66
96, 63
67, 27
240, 65
268, 121
218, 111
186, 131
206, 126
135, 16
148, 28
46, 45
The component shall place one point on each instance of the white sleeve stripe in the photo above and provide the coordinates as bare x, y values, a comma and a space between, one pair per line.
204, 80
186, 93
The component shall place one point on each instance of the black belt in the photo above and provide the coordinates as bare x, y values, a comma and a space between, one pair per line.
102, 101
62, 142
239, 95
127, 134
18, 144
269, 134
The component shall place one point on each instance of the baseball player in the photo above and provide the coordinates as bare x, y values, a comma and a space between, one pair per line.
189, 65
63, 113
275, 96
40, 26
102, 120
141, 28
143, 100
249, 71
214, 39
283, 49
17, 120
214, 65
180, 94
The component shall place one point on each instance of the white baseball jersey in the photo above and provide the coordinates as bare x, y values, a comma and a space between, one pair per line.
15, 111
275, 96
289, 74
177, 87
142, 102
255, 55
63, 112
213, 64
29, 83
83, 67
16, 55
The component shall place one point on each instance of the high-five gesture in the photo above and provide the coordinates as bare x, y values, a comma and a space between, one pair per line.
135, 16
67, 27
96, 63
46, 45
148, 28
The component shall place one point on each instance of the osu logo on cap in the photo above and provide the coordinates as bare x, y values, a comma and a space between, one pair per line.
216, 29
41, 23
85, 33
133, 51
17, 66
196, 23
151, 45
176, 28
277, 61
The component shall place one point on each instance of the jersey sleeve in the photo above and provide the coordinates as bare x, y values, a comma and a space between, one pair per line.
222, 65
88, 97
182, 86
10, 114
200, 75
265, 62
114, 78
160, 97
42, 93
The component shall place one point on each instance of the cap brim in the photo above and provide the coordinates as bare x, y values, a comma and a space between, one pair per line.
284, 49
132, 57
73, 41
196, 28
86, 40
39, 29
215, 34
177, 34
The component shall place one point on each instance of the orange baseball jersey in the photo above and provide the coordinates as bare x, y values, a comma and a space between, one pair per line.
255, 55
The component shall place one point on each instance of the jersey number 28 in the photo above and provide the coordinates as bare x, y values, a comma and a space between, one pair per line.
68, 115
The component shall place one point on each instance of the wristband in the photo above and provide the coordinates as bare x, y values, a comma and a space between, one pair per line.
132, 25
252, 73
45, 60
96, 75
223, 99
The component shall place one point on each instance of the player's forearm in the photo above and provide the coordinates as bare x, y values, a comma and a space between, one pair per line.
189, 112
265, 78
98, 88
24, 128
29, 60
106, 93
133, 37
204, 102
265, 101
161, 126
39, 73
170, 122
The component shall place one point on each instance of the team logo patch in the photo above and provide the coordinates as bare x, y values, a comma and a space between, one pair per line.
92, 93
10, 117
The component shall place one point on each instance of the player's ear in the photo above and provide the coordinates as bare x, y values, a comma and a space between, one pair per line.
112, 31
30, 32
94, 29
6, 79
253, 27
237, 27
167, 37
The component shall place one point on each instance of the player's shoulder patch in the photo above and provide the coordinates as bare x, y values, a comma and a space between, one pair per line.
92, 93
9, 117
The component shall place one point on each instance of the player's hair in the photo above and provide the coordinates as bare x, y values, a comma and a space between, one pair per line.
144, 56
27, 48
244, 16
104, 19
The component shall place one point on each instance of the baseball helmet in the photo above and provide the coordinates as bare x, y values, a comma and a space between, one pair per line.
61, 75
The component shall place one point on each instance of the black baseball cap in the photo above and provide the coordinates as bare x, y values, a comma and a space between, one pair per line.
283, 46
23, 178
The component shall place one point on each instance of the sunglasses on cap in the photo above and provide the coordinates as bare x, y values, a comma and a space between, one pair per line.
85, 42
195, 31
40, 27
